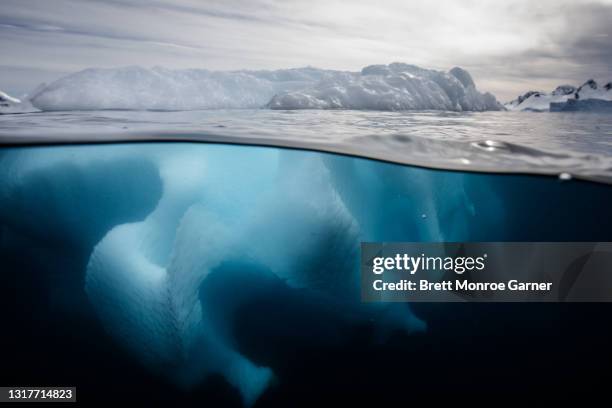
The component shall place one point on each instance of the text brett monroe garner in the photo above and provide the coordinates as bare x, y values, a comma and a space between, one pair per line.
459, 285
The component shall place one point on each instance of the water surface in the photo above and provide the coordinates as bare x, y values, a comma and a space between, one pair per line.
578, 144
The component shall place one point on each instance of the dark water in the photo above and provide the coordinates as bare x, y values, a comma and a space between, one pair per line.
59, 203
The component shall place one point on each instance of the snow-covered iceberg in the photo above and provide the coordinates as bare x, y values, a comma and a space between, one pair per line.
138, 88
381, 87
391, 87
589, 96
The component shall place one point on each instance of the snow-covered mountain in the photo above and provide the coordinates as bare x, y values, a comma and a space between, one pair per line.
390, 87
379, 87
7, 100
9, 104
565, 97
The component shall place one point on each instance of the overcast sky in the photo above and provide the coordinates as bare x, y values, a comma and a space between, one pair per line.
509, 47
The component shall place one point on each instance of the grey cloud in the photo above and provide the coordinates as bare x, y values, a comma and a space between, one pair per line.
589, 39
508, 47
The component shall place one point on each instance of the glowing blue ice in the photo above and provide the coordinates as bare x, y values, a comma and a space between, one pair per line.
158, 218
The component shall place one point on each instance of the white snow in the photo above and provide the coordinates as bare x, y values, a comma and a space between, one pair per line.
391, 87
138, 88
540, 101
5, 98
592, 90
536, 101
9, 104
381, 87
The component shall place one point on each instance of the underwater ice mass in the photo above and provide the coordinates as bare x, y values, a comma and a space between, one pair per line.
153, 223
158, 220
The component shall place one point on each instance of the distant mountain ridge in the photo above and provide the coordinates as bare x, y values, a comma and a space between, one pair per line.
566, 98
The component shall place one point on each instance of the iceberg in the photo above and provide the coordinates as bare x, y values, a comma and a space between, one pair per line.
392, 87
585, 105
138, 88
157, 220
381, 87
589, 97
134, 235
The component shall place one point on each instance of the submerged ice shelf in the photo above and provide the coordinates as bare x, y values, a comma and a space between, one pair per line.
155, 222
207, 206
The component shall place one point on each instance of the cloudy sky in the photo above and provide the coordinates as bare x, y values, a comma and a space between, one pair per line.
509, 47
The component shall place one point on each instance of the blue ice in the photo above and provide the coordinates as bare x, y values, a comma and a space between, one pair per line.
157, 219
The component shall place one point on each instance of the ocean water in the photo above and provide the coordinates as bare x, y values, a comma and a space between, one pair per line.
254, 250
517, 142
